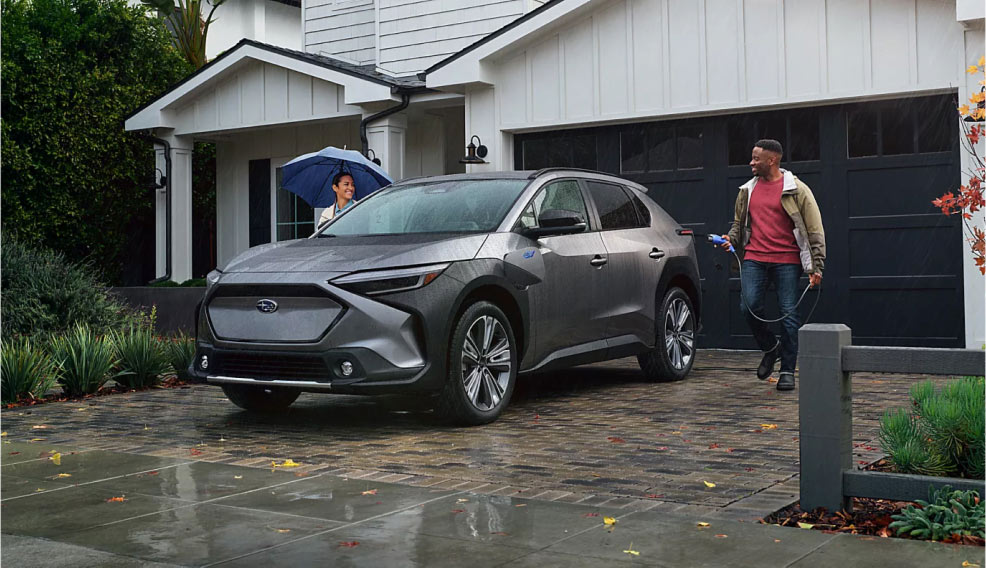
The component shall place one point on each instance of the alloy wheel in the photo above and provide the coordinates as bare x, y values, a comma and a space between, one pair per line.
486, 356
679, 334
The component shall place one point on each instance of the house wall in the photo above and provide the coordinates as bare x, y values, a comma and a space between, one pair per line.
261, 20
342, 28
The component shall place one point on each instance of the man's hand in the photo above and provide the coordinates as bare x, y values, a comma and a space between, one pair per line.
814, 279
727, 244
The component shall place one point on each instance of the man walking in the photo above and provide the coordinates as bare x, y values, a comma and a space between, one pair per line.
777, 231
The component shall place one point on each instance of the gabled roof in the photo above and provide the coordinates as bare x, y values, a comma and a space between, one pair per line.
365, 74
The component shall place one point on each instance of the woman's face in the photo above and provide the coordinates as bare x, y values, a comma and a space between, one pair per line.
345, 189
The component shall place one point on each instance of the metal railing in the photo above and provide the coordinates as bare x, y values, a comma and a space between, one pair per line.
827, 361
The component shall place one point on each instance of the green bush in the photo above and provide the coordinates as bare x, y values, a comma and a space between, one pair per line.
946, 513
86, 360
944, 435
25, 370
42, 292
141, 358
180, 351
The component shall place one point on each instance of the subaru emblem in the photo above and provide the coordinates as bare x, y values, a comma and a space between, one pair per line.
266, 306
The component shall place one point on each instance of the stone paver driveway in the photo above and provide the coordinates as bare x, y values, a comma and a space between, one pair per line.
596, 435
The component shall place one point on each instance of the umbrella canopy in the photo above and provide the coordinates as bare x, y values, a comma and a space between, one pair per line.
310, 176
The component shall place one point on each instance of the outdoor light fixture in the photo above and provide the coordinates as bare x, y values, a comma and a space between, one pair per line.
152, 181
374, 159
474, 154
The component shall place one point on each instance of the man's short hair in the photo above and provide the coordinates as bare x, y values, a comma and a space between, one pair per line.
770, 146
338, 177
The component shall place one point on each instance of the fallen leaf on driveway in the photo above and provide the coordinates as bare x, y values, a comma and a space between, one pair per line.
457, 511
521, 505
709, 484
39, 426
616, 440
369, 492
3, 434
609, 521
768, 426
64, 475
805, 525
282, 530
702, 524
37, 440
713, 446
14, 453
654, 495
462, 500
722, 536
967, 564
287, 463
194, 452
56, 458
631, 551
237, 477
116, 499
350, 544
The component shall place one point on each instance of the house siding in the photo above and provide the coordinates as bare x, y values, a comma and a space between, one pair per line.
342, 28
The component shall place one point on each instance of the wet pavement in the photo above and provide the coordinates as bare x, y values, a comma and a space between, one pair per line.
182, 477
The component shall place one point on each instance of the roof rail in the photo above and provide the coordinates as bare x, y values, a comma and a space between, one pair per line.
543, 171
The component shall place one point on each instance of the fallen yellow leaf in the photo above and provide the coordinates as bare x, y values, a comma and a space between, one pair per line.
39, 426
64, 475
462, 500
237, 477
287, 463
56, 457
676, 432
609, 521
768, 426
3, 433
369, 492
37, 439
709, 484
38, 490
777, 540
630, 550
967, 564
521, 505
703, 524
283, 530
805, 525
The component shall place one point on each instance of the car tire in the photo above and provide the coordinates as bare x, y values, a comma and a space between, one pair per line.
674, 347
482, 367
260, 398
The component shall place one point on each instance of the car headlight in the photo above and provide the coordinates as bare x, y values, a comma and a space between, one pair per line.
376, 282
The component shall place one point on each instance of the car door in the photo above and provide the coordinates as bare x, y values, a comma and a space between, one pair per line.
564, 303
635, 253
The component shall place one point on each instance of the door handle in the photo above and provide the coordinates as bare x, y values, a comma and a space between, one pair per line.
656, 254
597, 261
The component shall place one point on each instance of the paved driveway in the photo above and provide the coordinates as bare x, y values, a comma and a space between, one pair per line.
596, 435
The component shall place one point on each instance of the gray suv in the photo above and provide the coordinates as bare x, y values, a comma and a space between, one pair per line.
451, 286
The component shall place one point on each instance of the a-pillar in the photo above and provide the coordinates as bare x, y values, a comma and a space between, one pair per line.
181, 209
387, 138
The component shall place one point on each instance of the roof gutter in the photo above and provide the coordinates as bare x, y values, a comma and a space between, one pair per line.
167, 194
405, 101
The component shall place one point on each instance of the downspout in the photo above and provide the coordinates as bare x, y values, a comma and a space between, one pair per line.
405, 100
167, 198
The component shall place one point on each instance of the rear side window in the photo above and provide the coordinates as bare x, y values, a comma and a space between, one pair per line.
616, 211
642, 212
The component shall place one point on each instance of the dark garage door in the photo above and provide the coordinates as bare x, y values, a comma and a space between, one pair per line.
893, 272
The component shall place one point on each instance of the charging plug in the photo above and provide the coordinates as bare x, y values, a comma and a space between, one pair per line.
717, 240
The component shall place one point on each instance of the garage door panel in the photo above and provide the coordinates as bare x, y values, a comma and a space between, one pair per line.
899, 191
879, 316
686, 201
902, 252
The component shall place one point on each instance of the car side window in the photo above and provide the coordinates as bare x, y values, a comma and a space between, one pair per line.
615, 209
563, 194
642, 212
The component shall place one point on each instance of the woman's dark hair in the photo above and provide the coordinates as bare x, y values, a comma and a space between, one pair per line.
770, 146
338, 177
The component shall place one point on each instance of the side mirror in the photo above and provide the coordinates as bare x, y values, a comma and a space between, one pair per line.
557, 222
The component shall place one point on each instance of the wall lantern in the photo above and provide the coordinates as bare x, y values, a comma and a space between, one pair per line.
374, 159
474, 154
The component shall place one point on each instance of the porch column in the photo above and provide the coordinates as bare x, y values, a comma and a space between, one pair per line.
386, 138
181, 209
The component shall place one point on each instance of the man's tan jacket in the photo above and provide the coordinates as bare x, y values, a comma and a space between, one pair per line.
799, 203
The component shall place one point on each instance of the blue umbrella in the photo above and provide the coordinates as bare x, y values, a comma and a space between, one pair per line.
310, 176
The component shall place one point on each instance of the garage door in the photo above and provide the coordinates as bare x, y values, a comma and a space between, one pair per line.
893, 272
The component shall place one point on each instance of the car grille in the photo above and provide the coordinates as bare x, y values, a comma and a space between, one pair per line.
274, 366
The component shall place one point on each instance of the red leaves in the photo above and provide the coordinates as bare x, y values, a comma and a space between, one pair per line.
349, 544
590, 515
616, 440
457, 511
713, 446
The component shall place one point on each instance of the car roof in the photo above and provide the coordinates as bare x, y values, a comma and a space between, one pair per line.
517, 174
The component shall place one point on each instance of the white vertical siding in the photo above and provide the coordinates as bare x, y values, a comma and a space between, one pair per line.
647, 58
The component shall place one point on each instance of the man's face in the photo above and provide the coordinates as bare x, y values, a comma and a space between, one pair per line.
346, 188
762, 161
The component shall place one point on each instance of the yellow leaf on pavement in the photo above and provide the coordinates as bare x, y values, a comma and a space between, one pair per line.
287, 463
967, 564
283, 530
631, 551
64, 475
609, 521
709, 484
702, 524
237, 477
369, 492
805, 525
56, 457
768, 426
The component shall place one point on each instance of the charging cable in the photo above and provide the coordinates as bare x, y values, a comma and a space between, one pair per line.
718, 240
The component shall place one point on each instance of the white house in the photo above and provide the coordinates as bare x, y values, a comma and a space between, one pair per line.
669, 93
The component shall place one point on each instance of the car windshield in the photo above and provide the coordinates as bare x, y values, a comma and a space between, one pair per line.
460, 206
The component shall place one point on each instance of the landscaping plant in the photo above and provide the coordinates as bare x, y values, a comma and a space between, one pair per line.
25, 370
141, 358
945, 515
943, 434
180, 351
86, 360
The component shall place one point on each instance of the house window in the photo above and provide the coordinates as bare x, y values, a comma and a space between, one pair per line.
902, 127
295, 218
660, 147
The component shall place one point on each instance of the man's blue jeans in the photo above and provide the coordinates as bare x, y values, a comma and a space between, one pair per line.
756, 277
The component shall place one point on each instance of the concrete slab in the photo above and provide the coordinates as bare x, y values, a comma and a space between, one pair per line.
53, 554
17, 452
13, 486
86, 467
873, 552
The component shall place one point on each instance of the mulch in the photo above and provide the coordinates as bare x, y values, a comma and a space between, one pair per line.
171, 382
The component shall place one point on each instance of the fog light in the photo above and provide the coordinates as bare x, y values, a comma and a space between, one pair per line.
347, 368
204, 362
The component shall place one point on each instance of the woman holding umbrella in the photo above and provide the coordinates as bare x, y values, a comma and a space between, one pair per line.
345, 190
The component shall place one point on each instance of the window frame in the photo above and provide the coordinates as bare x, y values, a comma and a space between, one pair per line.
276, 165
591, 221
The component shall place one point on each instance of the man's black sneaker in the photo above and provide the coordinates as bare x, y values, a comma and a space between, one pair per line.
767, 363
786, 381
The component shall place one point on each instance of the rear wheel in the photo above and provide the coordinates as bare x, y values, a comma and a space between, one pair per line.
482, 367
674, 349
260, 398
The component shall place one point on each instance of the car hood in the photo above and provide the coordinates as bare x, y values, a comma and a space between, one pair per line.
351, 254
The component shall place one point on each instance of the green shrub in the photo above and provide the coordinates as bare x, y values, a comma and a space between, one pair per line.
141, 358
25, 370
944, 514
86, 360
945, 434
42, 292
180, 351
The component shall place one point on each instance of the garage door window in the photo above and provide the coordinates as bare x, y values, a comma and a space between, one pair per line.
656, 148
909, 126
797, 131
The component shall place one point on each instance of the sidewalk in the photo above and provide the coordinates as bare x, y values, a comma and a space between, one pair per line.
178, 512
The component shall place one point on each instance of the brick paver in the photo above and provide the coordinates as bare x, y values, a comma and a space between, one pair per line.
597, 434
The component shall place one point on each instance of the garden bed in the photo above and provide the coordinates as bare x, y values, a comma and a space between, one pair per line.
172, 382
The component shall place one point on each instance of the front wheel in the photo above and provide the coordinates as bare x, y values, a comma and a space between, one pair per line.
482, 366
674, 349
260, 398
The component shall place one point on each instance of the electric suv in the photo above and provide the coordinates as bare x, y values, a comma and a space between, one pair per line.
451, 286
